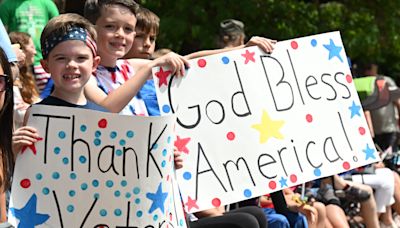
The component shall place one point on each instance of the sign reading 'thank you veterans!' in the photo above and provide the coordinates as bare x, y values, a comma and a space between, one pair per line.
250, 123
96, 169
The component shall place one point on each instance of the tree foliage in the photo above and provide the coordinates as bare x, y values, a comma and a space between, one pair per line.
369, 28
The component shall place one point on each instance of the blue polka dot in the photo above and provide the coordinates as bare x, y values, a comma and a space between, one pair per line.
95, 183
122, 142
169, 139
118, 152
61, 134
117, 212
82, 159
65, 160
113, 134
247, 193
136, 190
181, 222
70, 208
128, 195
56, 175
187, 176
137, 201
57, 150
155, 217
166, 108
83, 128
139, 214
117, 193
317, 172
103, 212
45, 191
313, 42
97, 142
124, 183
72, 176
71, 193
109, 183
97, 134
84, 186
163, 163
225, 60
96, 195
164, 152
155, 146
130, 134
39, 176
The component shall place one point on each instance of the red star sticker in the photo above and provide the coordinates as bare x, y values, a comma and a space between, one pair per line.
180, 144
191, 203
32, 147
249, 57
162, 76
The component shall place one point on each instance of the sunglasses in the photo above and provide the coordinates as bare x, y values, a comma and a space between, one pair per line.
3, 82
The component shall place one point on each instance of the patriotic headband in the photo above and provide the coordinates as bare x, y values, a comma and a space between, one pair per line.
74, 33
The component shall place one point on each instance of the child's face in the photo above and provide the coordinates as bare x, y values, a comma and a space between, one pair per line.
115, 31
30, 52
144, 44
71, 64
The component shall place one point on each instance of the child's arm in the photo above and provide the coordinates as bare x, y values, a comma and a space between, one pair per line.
267, 45
120, 97
24, 136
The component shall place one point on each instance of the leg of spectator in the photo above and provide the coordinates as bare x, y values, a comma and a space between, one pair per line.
322, 216
336, 216
396, 205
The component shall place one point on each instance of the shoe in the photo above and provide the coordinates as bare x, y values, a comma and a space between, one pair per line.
355, 194
327, 196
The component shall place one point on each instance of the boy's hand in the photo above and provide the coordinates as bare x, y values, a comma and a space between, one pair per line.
178, 161
267, 45
24, 136
176, 63
310, 212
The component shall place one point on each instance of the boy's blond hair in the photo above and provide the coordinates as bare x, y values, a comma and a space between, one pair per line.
147, 21
59, 25
93, 8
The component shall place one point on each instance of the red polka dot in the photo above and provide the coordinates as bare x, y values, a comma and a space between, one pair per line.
309, 118
102, 123
167, 177
346, 165
272, 185
202, 62
216, 202
349, 79
170, 216
294, 45
230, 135
361, 130
25, 183
293, 178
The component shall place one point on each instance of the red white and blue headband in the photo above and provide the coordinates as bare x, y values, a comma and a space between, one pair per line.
73, 33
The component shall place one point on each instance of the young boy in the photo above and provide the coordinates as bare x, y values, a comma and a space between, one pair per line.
115, 24
69, 55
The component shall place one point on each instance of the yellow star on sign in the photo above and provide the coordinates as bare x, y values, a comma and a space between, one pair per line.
268, 128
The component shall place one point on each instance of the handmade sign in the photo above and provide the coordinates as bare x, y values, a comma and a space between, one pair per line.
250, 123
95, 169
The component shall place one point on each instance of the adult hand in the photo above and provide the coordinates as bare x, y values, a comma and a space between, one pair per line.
267, 45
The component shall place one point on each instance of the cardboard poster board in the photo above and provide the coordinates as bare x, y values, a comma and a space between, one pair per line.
95, 169
250, 123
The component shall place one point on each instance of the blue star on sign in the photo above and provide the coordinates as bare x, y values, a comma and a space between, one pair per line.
333, 50
283, 182
369, 153
158, 199
27, 216
355, 109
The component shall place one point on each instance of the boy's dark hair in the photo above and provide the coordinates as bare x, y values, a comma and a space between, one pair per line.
147, 21
59, 25
93, 8
230, 30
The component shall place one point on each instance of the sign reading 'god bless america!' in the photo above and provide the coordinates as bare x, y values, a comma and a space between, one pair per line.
250, 123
